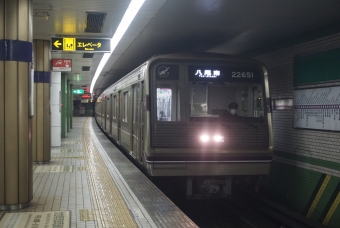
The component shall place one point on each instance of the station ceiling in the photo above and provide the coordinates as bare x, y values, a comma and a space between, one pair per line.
168, 26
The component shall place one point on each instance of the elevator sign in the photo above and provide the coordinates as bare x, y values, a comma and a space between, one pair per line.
80, 44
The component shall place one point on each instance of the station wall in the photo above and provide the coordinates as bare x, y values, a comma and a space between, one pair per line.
305, 173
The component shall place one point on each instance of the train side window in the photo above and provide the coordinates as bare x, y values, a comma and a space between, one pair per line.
114, 107
135, 103
126, 106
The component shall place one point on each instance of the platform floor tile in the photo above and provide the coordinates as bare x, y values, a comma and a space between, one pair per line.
99, 187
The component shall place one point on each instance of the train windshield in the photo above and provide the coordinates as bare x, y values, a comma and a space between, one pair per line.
225, 92
215, 93
226, 100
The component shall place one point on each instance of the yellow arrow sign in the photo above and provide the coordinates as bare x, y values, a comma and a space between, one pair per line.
57, 44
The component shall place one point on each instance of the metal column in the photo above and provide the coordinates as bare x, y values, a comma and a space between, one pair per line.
42, 117
16, 188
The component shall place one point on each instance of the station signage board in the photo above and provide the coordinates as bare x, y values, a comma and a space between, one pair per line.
78, 91
86, 96
80, 44
61, 65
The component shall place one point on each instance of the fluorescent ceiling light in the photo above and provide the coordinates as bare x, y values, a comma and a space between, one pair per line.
129, 15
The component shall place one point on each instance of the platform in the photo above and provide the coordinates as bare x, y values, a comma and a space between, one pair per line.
90, 183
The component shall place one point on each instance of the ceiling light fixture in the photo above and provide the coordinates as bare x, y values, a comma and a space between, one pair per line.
129, 15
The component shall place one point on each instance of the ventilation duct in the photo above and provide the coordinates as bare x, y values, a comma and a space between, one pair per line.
95, 22
88, 55
85, 68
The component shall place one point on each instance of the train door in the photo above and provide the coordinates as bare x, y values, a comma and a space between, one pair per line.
105, 110
168, 126
125, 118
107, 113
102, 111
115, 120
140, 110
135, 119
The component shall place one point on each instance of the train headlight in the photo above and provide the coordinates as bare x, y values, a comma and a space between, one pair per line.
204, 138
218, 138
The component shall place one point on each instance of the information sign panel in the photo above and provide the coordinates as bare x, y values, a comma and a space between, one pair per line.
61, 64
78, 91
80, 44
317, 108
55, 219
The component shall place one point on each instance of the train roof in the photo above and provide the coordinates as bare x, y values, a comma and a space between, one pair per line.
184, 56
199, 55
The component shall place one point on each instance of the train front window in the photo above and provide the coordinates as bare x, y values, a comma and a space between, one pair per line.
226, 100
225, 92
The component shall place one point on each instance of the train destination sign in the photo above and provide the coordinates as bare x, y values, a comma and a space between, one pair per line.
80, 44
224, 74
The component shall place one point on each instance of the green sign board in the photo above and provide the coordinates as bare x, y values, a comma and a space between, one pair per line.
78, 91
317, 68
80, 44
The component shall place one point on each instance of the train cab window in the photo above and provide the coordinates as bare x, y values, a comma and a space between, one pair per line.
226, 100
198, 101
225, 93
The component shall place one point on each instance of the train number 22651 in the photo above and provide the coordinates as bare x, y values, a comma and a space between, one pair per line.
238, 74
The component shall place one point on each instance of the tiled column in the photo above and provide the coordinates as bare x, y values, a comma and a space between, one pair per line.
16, 188
42, 117
56, 109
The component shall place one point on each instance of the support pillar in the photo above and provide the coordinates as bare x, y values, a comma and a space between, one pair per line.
16, 186
68, 106
71, 104
42, 117
55, 109
64, 105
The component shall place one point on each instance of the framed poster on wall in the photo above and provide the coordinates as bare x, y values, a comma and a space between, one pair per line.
317, 108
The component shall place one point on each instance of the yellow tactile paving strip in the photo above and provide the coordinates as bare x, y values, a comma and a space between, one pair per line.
110, 208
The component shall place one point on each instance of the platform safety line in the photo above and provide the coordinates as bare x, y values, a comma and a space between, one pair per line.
318, 195
114, 169
106, 192
100, 217
97, 204
332, 209
110, 208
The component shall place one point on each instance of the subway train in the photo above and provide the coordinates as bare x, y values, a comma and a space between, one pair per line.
200, 115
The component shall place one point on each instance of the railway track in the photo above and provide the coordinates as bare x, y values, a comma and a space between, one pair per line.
244, 209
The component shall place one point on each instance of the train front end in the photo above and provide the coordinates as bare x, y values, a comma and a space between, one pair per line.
208, 117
